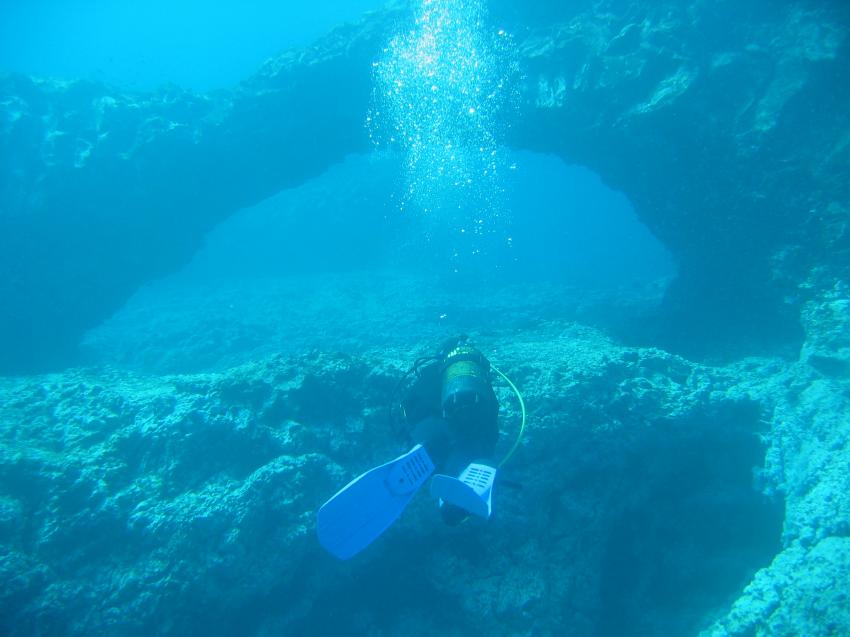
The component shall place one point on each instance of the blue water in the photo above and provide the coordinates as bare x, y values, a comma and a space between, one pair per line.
186, 386
196, 45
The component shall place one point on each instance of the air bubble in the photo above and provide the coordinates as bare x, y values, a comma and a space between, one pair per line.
429, 90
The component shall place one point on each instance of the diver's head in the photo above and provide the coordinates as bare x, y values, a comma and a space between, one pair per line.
451, 343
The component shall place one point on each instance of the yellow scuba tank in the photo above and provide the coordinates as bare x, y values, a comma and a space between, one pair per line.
465, 382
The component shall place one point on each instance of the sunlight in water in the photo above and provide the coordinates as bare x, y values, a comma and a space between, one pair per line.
441, 91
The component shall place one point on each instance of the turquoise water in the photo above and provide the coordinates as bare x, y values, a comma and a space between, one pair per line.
226, 233
192, 44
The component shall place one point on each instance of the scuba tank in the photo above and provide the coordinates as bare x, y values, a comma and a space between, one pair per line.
469, 406
467, 400
465, 382
453, 385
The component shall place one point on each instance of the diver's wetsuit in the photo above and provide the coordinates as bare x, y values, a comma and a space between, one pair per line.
456, 429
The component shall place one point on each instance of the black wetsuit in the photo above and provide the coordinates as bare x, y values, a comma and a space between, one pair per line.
451, 438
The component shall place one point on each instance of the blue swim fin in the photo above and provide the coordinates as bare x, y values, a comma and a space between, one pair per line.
472, 491
364, 508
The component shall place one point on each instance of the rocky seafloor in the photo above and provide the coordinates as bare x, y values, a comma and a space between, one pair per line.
167, 483
657, 496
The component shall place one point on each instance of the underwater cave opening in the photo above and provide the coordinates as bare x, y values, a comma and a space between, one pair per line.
339, 252
559, 223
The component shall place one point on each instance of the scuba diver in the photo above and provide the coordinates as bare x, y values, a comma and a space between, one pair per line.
452, 412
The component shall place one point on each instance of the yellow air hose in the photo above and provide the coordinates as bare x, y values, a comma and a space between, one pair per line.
522, 409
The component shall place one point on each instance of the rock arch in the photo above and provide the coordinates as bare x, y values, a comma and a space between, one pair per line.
729, 137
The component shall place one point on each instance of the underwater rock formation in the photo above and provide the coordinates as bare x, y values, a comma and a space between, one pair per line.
128, 499
656, 496
105, 190
725, 125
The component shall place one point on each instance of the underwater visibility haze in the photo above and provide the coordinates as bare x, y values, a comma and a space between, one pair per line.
425, 317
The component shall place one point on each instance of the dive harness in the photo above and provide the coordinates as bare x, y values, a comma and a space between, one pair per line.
465, 382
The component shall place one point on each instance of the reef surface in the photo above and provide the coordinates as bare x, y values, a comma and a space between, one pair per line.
656, 495
698, 484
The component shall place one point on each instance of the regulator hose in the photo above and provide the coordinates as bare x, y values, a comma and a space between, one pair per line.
522, 424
